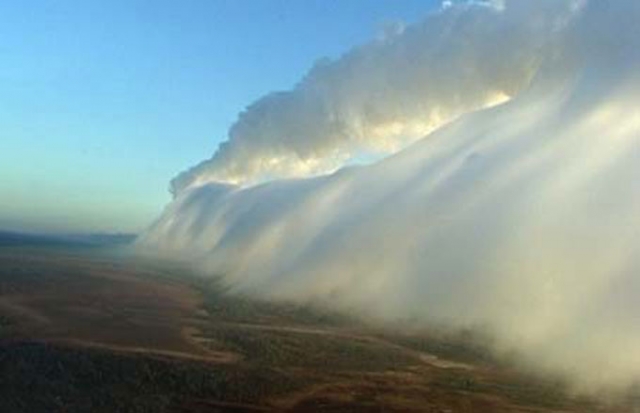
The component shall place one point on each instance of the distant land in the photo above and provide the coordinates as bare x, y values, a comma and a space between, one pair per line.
15, 238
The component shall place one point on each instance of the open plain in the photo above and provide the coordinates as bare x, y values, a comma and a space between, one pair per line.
84, 330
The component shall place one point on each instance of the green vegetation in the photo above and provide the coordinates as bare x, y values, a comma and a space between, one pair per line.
37, 377
464, 347
245, 309
298, 349
5, 325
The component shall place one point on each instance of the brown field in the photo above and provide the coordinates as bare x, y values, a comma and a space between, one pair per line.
87, 332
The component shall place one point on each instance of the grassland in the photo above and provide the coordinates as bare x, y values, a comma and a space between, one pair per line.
85, 331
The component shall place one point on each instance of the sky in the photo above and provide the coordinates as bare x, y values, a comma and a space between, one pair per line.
104, 102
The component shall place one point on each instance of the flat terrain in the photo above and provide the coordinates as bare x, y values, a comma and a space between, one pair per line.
86, 331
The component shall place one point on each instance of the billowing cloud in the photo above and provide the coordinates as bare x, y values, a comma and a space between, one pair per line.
521, 219
383, 95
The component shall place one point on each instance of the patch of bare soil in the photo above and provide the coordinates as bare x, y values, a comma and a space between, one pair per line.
91, 303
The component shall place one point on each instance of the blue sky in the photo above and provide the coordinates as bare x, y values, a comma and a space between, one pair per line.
103, 102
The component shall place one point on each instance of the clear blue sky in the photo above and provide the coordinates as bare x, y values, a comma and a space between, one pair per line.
102, 102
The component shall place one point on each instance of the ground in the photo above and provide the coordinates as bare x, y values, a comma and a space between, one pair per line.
82, 330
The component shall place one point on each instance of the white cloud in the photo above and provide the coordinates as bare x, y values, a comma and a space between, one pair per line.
384, 95
521, 219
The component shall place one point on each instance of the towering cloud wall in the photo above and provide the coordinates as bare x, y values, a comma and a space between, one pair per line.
521, 219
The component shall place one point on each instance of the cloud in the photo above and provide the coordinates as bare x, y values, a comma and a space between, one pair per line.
519, 219
384, 95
